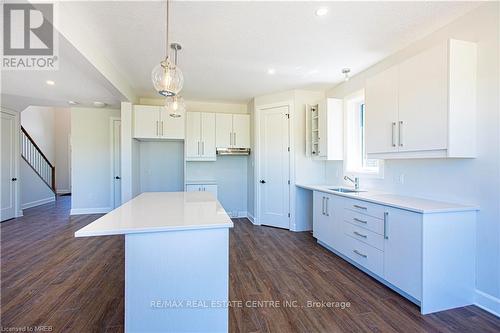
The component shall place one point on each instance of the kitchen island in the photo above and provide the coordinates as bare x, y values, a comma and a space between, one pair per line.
176, 260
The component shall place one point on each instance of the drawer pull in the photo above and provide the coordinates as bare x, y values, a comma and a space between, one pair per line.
358, 234
360, 221
360, 254
360, 207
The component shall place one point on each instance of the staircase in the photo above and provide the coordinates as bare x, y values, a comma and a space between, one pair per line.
35, 158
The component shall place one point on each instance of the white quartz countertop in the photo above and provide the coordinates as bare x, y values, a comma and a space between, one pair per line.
161, 211
418, 205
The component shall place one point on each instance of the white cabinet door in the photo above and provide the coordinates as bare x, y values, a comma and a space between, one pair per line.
193, 131
212, 188
381, 105
321, 216
208, 136
172, 128
223, 130
194, 188
241, 130
423, 98
403, 251
146, 122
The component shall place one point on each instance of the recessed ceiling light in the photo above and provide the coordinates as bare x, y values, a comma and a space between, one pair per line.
271, 71
50, 82
72, 103
321, 11
99, 104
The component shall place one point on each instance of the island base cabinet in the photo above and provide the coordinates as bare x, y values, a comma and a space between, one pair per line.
177, 281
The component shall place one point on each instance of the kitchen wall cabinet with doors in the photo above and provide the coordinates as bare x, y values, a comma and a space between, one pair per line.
325, 135
425, 106
232, 130
426, 257
154, 123
202, 187
200, 136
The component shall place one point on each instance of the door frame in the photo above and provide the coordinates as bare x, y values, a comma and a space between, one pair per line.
258, 159
18, 212
112, 160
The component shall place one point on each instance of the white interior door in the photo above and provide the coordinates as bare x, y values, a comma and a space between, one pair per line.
117, 200
7, 196
274, 168
241, 130
223, 130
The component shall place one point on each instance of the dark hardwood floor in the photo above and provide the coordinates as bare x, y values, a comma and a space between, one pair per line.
48, 277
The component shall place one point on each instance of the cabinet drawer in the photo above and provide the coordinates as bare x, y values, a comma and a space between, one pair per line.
364, 221
366, 208
364, 235
365, 255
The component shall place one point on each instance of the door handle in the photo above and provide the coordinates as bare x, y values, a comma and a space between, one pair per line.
386, 219
14, 179
117, 177
327, 208
323, 205
394, 134
262, 181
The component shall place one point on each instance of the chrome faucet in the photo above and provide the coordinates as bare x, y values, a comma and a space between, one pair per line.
355, 181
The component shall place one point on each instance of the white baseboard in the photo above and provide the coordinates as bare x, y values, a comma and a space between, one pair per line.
20, 213
488, 303
63, 191
86, 211
38, 202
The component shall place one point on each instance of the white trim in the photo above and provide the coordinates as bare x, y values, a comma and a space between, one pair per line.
250, 217
487, 302
85, 211
38, 202
112, 159
19, 213
257, 167
63, 191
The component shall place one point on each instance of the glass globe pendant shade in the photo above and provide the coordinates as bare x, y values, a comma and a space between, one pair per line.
167, 78
175, 106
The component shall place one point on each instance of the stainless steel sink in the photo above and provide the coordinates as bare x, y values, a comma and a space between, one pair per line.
345, 190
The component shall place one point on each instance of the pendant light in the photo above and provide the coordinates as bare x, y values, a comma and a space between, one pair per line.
175, 105
166, 76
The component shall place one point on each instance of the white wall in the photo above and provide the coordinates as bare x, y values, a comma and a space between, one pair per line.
161, 166
62, 130
475, 181
91, 160
39, 122
34, 191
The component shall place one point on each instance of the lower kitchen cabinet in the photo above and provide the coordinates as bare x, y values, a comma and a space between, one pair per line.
202, 188
426, 257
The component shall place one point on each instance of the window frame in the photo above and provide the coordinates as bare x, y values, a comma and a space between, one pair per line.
356, 98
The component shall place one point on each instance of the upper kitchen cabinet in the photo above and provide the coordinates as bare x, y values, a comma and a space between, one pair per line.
232, 130
153, 122
425, 106
200, 136
325, 124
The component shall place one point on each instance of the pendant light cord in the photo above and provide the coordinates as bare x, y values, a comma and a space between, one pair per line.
168, 22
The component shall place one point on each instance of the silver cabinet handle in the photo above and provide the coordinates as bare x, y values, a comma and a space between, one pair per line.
234, 133
157, 128
327, 209
360, 221
230, 138
386, 220
323, 205
198, 147
203, 147
360, 254
394, 134
401, 133
360, 235
360, 207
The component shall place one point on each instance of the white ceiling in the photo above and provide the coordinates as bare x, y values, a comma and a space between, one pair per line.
76, 80
228, 46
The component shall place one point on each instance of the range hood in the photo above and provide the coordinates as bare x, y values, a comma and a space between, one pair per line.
233, 151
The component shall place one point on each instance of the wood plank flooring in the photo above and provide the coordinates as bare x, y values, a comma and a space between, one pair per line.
48, 277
